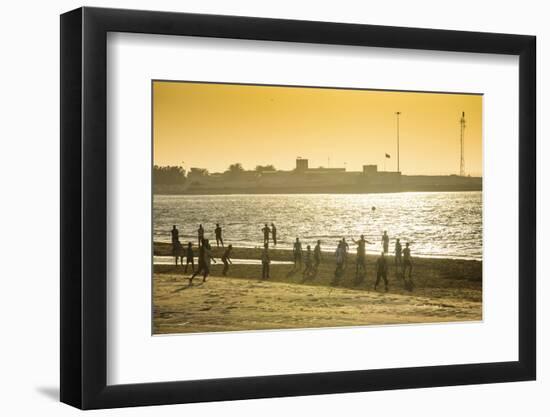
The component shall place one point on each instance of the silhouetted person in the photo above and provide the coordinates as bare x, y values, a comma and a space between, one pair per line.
175, 238
309, 264
274, 234
407, 261
345, 248
200, 234
385, 242
265, 261
200, 266
340, 255
190, 257
205, 259
317, 257
297, 251
177, 250
266, 232
381, 271
226, 259
175, 233
218, 233
361, 259
398, 259
361, 243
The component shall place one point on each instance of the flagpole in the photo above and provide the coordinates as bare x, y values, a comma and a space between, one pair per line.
397, 113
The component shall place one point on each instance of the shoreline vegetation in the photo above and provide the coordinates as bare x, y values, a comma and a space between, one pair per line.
445, 290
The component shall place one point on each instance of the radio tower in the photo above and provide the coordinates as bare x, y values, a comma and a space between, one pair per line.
462, 127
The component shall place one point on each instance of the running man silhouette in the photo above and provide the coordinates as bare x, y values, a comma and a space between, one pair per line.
265, 261
297, 251
200, 234
385, 242
381, 271
226, 259
200, 264
309, 265
274, 234
266, 232
218, 233
205, 260
190, 257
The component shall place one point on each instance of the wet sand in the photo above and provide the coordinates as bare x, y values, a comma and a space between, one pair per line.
445, 290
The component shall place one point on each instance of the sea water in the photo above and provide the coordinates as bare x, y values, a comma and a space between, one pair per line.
437, 224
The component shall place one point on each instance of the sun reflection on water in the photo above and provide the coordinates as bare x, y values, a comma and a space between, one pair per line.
447, 224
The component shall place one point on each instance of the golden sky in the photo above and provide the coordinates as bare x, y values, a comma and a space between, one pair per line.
214, 125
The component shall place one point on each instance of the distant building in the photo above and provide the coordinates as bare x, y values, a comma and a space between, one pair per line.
323, 170
321, 179
372, 176
302, 167
301, 164
370, 169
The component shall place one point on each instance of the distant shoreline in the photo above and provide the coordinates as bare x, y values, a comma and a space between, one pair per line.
182, 190
285, 254
164, 248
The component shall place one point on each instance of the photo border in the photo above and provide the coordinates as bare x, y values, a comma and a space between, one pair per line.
230, 83
83, 311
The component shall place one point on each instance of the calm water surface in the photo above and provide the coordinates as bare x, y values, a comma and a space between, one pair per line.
439, 224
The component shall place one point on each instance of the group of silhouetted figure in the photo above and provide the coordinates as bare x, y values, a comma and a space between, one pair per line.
309, 259
403, 261
204, 257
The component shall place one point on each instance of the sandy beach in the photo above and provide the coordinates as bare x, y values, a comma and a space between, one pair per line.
445, 290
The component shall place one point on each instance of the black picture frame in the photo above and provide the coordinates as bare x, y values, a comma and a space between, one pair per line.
84, 207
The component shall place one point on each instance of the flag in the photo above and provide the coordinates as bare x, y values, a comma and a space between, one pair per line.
388, 155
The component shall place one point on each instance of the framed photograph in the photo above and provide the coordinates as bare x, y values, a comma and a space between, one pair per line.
258, 208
